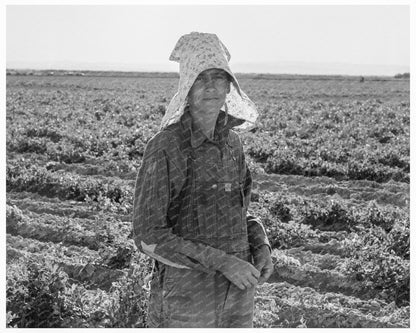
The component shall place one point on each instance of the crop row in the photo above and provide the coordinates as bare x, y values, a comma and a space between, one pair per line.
290, 269
312, 139
293, 221
278, 161
39, 204
377, 164
381, 265
72, 253
343, 139
276, 305
43, 291
93, 275
396, 193
96, 268
325, 188
111, 193
383, 279
69, 152
93, 234
277, 210
370, 256
326, 261
284, 305
334, 214
334, 137
330, 215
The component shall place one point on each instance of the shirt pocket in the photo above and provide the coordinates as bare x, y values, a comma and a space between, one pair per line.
235, 212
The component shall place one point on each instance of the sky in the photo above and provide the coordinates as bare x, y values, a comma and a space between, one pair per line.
315, 39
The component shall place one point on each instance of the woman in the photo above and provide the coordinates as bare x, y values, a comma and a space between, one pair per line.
191, 198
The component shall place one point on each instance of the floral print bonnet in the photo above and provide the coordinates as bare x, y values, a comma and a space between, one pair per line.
197, 52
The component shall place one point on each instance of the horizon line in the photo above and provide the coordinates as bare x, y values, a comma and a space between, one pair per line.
177, 73
289, 68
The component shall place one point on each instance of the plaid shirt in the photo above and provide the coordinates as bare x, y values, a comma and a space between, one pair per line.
191, 197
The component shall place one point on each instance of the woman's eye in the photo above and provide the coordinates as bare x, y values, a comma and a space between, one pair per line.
218, 77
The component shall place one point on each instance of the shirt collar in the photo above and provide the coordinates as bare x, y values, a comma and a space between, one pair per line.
198, 137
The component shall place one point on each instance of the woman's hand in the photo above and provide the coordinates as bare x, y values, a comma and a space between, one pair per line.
241, 273
263, 263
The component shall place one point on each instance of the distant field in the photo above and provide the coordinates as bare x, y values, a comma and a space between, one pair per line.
330, 161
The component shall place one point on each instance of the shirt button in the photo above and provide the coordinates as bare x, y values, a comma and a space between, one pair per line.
214, 186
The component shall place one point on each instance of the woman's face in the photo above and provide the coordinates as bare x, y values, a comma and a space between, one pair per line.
207, 94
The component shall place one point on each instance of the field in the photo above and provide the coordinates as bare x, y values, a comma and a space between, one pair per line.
330, 162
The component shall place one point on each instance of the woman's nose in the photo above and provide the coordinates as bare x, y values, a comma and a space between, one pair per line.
209, 82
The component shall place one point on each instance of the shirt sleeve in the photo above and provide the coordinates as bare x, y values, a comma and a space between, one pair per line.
257, 235
157, 180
